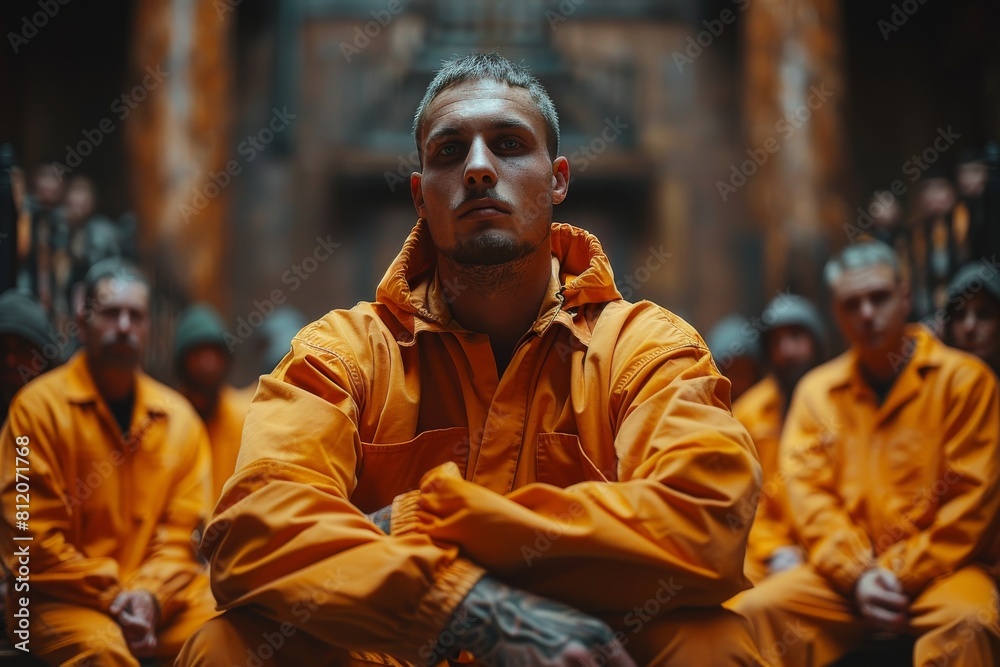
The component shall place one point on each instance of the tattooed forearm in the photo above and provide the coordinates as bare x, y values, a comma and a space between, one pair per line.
382, 518
504, 626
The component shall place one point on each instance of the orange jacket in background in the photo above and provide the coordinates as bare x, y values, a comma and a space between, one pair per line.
107, 512
912, 485
761, 410
225, 430
513, 473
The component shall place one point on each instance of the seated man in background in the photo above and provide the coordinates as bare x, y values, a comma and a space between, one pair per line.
890, 452
794, 342
203, 363
25, 338
972, 316
119, 477
498, 460
25, 333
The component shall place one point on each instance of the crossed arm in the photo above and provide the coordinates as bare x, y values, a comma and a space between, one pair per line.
287, 536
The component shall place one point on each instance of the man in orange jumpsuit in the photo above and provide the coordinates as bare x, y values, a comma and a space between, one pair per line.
203, 362
111, 478
794, 340
498, 460
25, 337
890, 456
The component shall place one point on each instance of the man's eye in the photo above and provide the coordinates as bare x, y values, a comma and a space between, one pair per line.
510, 144
449, 150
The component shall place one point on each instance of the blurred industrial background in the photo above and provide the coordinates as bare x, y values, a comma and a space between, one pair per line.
257, 153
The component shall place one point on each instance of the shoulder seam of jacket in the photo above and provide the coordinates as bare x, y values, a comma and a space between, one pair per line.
644, 361
351, 367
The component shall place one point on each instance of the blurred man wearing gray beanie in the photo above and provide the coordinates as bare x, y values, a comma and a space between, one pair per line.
25, 337
794, 341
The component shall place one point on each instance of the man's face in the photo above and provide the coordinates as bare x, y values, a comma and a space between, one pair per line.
971, 178
871, 306
117, 333
975, 328
937, 197
16, 354
885, 211
205, 366
488, 185
792, 352
48, 190
79, 203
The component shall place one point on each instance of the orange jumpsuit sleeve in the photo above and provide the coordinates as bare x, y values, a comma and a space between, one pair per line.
287, 541
839, 549
685, 464
968, 491
169, 564
57, 568
771, 528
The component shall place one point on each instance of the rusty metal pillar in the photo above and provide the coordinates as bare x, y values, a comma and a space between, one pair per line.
178, 145
795, 163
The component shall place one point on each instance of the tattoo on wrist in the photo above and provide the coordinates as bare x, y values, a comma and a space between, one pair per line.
503, 626
382, 518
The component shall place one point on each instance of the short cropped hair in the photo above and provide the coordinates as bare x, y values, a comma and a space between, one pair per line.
859, 256
112, 267
490, 66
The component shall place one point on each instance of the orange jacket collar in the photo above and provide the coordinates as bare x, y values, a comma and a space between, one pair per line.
82, 389
581, 275
925, 354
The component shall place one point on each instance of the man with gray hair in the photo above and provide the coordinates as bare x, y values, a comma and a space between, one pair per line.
500, 459
890, 453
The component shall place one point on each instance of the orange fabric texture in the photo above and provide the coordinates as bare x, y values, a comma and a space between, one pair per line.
913, 484
225, 431
801, 621
685, 638
604, 459
760, 409
108, 512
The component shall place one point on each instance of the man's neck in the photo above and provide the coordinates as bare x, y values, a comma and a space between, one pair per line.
881, 370
114, 384
205, 401
501, 300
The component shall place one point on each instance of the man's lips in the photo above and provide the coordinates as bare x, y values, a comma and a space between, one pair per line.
483, 208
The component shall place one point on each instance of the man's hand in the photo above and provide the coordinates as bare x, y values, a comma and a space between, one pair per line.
504, 626
784, 558
137, 612
881, 600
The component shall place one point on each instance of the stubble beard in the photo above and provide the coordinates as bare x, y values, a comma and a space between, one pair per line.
492, 263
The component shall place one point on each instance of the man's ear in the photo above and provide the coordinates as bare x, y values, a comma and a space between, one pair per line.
560, 179
417, 193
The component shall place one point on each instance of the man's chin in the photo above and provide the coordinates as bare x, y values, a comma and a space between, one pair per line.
789, 378
489, 249
119, 359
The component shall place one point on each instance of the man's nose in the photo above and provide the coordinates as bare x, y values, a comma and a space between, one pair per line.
124, 321
479, 168
966, 321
